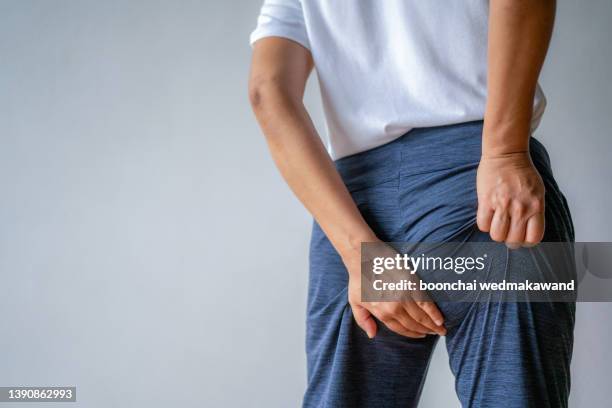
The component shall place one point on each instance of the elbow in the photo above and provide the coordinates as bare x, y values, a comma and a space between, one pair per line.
270, 93
261, 93
256, 96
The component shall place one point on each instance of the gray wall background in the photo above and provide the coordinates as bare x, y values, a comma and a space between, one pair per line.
149, 252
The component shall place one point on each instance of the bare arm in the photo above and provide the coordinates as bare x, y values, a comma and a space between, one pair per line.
280, 69
279, 72
510, 191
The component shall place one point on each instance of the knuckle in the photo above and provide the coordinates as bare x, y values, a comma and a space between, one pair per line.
384, 316
408, 323
518, 221
394, 327
407, 333
483, 225
395, 308
519, 209
535, 238
422, 320
503, 200
496, 236
537, 205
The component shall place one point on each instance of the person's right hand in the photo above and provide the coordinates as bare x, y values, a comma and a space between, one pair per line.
408, 318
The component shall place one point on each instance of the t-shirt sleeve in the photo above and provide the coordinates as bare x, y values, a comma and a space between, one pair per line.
281, 18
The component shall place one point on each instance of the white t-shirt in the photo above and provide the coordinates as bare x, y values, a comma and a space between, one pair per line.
387, 66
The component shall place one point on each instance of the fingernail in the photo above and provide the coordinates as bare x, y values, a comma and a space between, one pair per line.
370, 335
439, 322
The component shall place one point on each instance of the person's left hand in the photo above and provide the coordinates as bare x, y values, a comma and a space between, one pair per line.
510, 199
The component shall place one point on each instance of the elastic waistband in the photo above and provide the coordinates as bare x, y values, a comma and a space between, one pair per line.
423, 151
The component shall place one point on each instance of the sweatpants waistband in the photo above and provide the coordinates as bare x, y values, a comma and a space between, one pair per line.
423, 151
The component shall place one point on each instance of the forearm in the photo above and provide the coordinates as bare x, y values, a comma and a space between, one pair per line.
300, 155
519, 35
308, 170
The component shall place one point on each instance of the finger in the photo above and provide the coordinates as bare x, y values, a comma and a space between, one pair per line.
396, 311
409, 323
516, 233
364, 320
500, 225
432, 311
484, 216
535, 229
419, 315
398, 328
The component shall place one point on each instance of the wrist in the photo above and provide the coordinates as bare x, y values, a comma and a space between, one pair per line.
350, 248
505, 139
505, 161
504, 154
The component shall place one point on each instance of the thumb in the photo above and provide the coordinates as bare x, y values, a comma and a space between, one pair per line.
364, 320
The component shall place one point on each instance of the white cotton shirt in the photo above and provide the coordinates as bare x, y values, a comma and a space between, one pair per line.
387, 66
